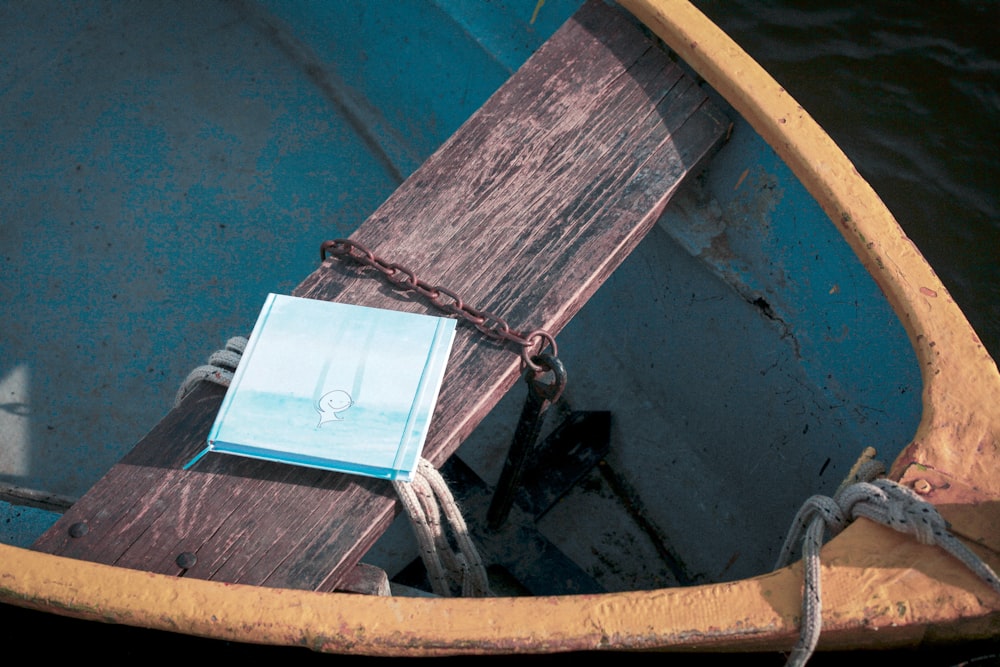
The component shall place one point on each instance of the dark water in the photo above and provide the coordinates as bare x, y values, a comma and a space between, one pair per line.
911, 92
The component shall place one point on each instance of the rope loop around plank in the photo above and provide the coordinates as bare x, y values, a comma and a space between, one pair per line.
425, 498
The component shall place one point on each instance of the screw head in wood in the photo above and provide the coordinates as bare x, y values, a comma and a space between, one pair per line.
79, 529
186, 560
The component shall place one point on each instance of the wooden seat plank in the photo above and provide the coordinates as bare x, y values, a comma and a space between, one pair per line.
524, 212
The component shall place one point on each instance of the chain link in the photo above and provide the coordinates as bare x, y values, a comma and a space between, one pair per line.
489, 324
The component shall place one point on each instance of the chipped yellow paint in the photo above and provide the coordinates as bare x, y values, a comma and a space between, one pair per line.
880, 588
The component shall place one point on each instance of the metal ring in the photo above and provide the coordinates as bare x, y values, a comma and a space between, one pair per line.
323, 247
527, 358
547, 363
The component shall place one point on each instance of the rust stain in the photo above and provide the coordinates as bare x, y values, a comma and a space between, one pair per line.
740, 180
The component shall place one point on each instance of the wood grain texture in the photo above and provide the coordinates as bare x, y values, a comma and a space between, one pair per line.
524, 212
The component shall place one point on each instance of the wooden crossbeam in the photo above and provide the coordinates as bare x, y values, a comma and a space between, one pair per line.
524, 212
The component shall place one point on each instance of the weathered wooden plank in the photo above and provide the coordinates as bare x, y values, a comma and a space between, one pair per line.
367, 580
524, 212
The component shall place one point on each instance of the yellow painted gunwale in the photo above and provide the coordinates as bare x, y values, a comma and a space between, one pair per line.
881, 588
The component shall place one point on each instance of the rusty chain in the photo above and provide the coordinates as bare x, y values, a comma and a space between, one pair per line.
489, 324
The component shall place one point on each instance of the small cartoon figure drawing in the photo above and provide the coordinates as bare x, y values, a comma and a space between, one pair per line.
331, 404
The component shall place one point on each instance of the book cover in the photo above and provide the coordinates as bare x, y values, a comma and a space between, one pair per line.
335, 386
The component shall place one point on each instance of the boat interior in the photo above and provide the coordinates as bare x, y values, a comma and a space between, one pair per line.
168, 166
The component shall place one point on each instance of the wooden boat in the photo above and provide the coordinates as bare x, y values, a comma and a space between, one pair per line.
742, 274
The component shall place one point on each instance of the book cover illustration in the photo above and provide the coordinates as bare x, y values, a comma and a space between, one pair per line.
335, 386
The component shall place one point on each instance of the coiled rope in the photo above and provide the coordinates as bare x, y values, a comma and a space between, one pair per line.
426, 498
864, 493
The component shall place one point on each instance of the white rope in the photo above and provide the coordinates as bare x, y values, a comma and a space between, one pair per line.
881, 500
423, 499
425, 532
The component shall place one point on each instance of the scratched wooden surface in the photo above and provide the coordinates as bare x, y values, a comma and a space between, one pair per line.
524, 212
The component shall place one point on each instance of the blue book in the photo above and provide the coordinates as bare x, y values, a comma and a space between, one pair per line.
335, 386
